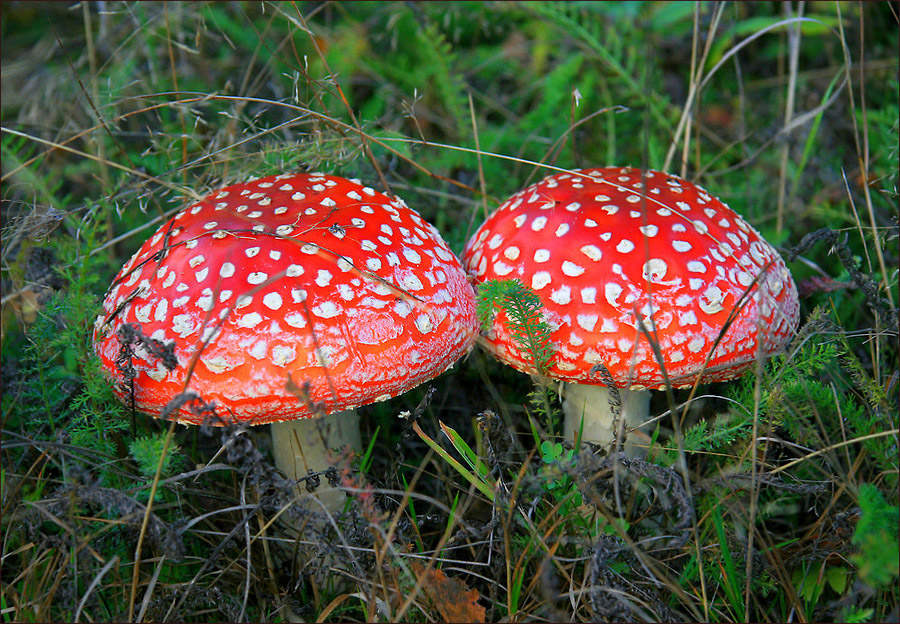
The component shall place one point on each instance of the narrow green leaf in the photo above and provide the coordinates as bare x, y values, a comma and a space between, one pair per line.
465, 450
732, 583
483, 487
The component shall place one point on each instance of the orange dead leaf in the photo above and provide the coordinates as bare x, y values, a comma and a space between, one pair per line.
450, 596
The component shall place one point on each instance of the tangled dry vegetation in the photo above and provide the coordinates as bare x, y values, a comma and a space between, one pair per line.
773, 498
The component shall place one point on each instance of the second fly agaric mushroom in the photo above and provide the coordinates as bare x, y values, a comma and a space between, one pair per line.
617, 255
305, 279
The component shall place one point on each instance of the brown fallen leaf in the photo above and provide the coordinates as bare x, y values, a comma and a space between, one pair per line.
453, 599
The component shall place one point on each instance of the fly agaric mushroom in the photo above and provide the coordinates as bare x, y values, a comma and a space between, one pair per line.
612, 250
305, 279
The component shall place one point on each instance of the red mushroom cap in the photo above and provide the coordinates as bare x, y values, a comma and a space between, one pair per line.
308, 275
605, 247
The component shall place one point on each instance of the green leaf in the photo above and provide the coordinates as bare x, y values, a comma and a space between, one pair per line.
732, 578
807, 583
463, 448
837, 578
551, 451
479, 483
857, 614
876, 532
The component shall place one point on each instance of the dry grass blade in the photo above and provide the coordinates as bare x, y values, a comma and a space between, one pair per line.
90, 588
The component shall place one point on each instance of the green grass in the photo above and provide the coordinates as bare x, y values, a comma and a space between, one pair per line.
115, 114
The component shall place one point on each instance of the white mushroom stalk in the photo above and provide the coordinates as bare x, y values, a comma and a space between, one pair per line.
310, 445
588, 411
611, 251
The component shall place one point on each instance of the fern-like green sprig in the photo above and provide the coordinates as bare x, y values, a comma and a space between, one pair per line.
523, 318
529, 330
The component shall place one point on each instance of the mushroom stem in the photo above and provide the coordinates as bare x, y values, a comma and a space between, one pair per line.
592, 403
302, 445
